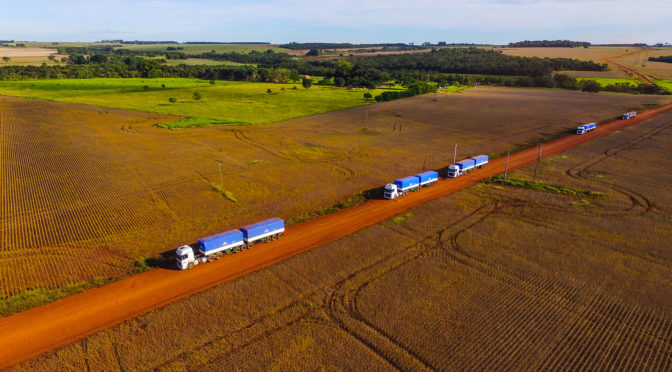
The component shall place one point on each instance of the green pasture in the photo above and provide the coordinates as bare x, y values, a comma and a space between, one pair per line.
665, 84
225, 102
608, 81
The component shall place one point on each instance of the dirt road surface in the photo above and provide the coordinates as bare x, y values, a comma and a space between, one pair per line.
31, 333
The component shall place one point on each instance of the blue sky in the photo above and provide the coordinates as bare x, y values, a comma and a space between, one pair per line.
363, 21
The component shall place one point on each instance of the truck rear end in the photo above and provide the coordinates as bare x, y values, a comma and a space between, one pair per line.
264, 231
428, 178
480, 161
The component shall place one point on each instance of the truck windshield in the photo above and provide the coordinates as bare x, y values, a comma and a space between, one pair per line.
182, 257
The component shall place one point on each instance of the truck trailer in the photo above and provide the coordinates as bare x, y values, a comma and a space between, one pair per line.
264, 231
585, 128
629, 115
467, 165
427, 179
214, 247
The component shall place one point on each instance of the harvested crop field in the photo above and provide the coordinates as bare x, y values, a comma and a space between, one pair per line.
640, 62
593, 53
493, 277
98, 188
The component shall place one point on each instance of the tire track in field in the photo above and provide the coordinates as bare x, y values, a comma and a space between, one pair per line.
640, 204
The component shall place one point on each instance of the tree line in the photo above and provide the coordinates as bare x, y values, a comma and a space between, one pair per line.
667, 59
549, 43
464, 66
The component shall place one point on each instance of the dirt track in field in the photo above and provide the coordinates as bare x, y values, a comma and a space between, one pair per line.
635, 74
33, 332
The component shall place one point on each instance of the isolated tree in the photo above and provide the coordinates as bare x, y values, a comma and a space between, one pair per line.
307, 83
590, 86
313, 52
51, 57
6, 59
196, 96
293, 75
172, 99
269, 91
368, 95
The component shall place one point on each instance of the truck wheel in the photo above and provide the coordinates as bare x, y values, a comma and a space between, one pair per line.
218, 255
190, 265
279, 235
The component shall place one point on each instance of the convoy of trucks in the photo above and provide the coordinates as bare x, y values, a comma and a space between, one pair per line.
214, 247
585, 128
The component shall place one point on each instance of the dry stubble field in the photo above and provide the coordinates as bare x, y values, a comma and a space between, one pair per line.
493, 277
86, 190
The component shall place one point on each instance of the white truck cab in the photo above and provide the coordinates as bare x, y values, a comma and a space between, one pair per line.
391, 191
186, 258
453, 171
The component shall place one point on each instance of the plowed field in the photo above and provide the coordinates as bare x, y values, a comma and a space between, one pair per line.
493, 277
86, 190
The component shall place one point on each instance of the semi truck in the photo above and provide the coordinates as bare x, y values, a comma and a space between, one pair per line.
405, 185
214, 247
585, 128
629, 115
467, 165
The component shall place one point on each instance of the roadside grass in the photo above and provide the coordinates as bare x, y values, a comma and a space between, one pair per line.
225, 102
38, 297
536, 142
350, 202
541, 186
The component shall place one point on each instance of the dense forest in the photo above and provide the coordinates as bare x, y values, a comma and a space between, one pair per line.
667, 59
549, 43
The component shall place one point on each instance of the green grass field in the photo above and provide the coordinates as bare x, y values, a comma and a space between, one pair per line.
665, 84
607, 81
223, 103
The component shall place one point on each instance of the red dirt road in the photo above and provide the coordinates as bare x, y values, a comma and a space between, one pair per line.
627, 70
31, 333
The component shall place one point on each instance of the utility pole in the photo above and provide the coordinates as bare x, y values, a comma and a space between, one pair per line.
537, 166
455, 154
219, 165
508, 153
